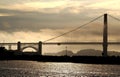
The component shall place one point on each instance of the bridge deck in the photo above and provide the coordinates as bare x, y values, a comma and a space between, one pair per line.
78, 43
65, 43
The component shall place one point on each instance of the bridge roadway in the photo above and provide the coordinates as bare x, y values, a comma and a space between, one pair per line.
64, 43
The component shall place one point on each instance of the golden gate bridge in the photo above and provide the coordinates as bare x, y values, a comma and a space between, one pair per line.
38, 46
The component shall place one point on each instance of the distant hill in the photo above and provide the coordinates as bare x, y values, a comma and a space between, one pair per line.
85, 52
64, 52
89, 52
61, 53
93, 52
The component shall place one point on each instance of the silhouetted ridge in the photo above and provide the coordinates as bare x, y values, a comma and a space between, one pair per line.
84, 52
89, 52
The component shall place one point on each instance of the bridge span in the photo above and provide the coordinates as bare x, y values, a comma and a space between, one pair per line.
38, 45
64, 43
78, 43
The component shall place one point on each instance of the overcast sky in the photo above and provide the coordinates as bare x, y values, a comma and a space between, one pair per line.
39, 20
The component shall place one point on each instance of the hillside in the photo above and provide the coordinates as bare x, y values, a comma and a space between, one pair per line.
85, 52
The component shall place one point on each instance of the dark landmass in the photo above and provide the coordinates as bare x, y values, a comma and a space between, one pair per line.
74, 59
84, 52
34, 56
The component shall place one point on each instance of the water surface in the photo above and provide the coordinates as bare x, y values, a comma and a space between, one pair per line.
51, 69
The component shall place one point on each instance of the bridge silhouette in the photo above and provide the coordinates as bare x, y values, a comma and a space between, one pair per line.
38, 46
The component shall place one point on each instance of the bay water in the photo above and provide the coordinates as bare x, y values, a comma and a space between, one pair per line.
19, 68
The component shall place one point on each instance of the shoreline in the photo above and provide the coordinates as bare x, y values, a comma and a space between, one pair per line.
72, 59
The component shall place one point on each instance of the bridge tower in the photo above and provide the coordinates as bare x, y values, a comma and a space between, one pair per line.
105, 36
40, 48
19, 46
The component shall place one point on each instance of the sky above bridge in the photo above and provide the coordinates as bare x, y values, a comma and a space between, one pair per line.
39, 20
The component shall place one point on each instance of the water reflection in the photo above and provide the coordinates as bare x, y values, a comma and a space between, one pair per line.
38, 69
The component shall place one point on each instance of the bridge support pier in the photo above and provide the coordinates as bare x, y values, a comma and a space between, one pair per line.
19, 46
40, 48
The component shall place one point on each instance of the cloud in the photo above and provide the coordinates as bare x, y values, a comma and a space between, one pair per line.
107, 4
56, 6
78, 36
46, 6
34, 21
5, 14
33, 5
48, 18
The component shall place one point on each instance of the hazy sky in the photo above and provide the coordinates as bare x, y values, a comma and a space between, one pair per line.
39, 20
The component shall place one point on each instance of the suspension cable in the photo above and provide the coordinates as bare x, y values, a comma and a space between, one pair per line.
74, 29
114, 17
